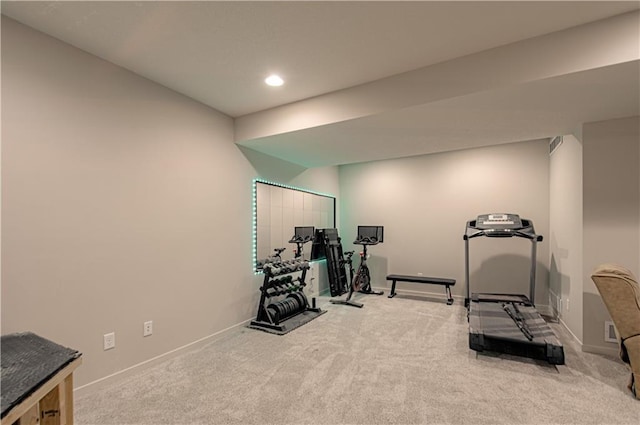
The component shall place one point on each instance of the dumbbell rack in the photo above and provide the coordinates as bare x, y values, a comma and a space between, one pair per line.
292, 309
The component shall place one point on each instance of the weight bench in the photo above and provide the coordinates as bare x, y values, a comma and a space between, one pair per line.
448, 283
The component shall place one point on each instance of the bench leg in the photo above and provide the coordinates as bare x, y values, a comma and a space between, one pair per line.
393, 289
449, 297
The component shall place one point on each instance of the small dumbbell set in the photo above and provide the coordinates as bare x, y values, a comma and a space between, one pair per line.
284, 267
283, 305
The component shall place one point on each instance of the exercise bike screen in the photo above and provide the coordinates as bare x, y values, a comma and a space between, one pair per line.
376, 232
305, 233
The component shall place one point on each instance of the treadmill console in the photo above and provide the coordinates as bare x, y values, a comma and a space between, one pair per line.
499, 225
502, 225
492, 221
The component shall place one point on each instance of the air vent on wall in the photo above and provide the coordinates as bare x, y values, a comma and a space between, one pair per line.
554, 143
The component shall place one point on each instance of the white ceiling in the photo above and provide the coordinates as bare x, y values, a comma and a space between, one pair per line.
544, 109
219, 53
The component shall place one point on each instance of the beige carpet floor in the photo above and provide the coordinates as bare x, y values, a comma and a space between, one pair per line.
396, 361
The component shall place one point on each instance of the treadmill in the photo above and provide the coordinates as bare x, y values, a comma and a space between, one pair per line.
508, 323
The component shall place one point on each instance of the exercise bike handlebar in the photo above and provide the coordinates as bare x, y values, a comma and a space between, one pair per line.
366, 241
279, 250
300, 239
525, 232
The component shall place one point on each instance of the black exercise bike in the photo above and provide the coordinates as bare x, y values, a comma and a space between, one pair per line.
362, 279
361, 282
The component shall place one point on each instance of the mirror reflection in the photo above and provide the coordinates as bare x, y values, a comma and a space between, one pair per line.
279, 210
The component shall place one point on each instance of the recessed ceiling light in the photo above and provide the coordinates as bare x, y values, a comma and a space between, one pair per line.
274, 80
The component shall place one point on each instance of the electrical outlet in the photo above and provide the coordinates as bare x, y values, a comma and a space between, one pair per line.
609, 331
147, 328
109, 341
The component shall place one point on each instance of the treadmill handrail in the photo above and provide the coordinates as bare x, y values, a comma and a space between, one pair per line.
471, 231
532, 236
504, 234
474, 235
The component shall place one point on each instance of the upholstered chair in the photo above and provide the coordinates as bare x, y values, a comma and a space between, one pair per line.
621, 294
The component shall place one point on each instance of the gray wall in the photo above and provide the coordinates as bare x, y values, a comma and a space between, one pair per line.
424, 203
611, 163
565, 235
122, 202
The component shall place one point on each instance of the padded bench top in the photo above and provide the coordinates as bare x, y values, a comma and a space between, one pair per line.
28, 361
421, 279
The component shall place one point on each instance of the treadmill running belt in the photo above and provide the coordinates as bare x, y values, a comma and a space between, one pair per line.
492, 329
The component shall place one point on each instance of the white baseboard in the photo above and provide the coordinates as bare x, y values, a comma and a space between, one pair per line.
125, 373
564, 325
605, 351
131, 370
545, 310
612, 351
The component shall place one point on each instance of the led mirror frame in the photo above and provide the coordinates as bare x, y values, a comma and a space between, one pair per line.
255, 212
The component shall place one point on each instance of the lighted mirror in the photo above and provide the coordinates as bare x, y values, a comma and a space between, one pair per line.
278, 210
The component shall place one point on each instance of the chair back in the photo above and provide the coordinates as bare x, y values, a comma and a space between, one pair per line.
621, 295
